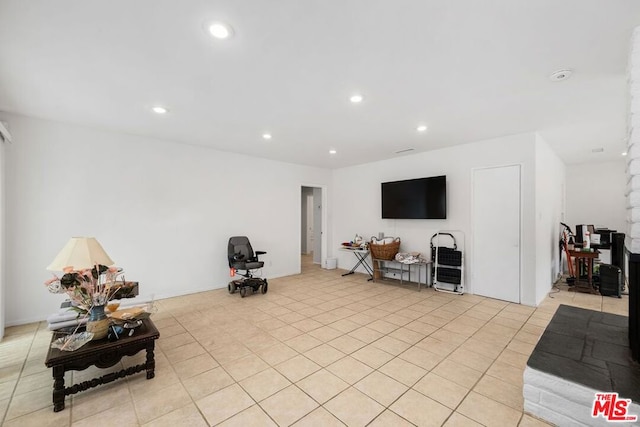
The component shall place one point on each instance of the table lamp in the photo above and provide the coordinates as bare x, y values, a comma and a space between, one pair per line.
80, 253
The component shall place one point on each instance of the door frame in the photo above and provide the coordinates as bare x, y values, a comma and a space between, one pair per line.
323, 224
473, 225
310, 216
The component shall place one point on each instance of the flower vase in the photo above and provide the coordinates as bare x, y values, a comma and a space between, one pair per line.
98, 322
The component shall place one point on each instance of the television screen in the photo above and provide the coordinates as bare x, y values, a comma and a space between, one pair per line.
423, 198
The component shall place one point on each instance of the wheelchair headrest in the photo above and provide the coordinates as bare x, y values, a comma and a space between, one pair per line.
239, 250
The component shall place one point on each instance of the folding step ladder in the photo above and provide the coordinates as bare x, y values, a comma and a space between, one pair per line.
448, 263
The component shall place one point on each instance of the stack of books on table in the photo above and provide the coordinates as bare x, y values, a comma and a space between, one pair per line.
67, 317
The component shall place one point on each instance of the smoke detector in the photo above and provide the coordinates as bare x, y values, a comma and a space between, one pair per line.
560, 75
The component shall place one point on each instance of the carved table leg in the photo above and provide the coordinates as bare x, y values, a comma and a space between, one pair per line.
58, 388
151, 362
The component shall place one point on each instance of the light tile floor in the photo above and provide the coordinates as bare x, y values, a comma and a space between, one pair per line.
318, 349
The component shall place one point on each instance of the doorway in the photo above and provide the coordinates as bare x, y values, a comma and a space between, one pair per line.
308, 240
496, 223
312, 214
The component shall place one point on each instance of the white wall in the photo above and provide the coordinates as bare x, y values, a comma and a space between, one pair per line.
3, 271
550, 185
596, 195
357, 204
163, 211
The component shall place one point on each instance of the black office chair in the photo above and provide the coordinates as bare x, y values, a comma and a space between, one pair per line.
242, 258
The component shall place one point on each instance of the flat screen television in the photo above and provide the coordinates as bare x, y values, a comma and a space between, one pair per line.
422, 198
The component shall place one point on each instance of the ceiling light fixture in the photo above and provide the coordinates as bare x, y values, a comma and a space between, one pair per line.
560, 75
220, 30
356, 99
159, 109
422, 128
624, 153
266, 136
332, 151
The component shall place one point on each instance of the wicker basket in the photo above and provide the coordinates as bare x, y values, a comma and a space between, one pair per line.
386, 252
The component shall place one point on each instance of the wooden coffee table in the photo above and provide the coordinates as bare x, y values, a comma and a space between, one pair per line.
102, 354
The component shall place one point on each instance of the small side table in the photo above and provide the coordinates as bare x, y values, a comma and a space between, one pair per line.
102, 354
588, 257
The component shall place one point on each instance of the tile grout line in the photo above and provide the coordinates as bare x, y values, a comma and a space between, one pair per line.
15, 387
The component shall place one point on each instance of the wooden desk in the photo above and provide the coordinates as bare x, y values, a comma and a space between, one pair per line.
587, 257
103, 354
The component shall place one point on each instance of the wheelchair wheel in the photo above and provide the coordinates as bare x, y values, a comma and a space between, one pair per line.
243, 291
265, 287
231, 287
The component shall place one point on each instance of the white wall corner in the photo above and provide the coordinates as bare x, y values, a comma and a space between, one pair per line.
5, 135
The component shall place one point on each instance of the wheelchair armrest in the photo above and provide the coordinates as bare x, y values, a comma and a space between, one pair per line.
257, 255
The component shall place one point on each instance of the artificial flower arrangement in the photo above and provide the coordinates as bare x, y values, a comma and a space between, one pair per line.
87, 288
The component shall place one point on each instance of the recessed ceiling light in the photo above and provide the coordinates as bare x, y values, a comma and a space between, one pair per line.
356, 98
332, 151
266, 136
159, 109
220, 30
624, 154
560, 75
422, 128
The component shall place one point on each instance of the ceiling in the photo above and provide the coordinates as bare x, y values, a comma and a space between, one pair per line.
468, 69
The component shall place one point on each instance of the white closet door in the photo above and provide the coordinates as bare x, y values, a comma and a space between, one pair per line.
496, 233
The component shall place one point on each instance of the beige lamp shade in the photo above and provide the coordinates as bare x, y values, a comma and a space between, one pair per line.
80, 253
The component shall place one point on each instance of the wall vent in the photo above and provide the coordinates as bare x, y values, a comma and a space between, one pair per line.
405, 150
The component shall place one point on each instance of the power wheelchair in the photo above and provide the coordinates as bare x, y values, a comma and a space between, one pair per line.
242, 258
